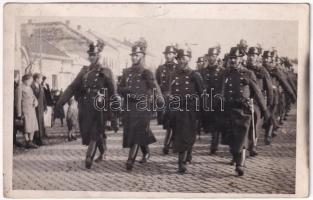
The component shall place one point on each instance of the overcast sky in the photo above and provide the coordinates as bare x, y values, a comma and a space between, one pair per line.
200, 33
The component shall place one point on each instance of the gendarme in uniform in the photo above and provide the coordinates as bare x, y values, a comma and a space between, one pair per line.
164, 77
238, 85
183, 113
137, 81
87, 85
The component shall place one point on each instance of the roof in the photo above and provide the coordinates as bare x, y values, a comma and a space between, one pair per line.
33, 45
54, 31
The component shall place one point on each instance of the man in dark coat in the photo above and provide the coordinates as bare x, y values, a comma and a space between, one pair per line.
16, 127
93, 89
187, 88
200, 65
265, 84
279, 83
238, 85
136, 87
212, 75
164, 77
40, 109
47, 91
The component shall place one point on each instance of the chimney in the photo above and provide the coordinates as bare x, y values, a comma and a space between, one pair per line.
79, 27
67, 22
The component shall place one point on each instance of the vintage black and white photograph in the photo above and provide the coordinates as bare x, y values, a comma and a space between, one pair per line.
156, 99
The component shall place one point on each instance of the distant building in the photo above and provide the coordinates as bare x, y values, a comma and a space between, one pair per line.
58, 51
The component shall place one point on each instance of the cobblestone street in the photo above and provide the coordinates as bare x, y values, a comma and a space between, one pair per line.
60, 166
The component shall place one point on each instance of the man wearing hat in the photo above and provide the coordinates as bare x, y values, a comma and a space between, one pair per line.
91, 81
137, 82
281, 85
186, 90
164, 77
265, 84
238, 86
200, 63
243, 47
212, 75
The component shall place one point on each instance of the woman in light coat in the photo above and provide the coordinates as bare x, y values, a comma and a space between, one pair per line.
26, 105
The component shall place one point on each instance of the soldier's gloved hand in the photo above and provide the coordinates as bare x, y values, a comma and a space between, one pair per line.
117, 98
160, 101
244, 81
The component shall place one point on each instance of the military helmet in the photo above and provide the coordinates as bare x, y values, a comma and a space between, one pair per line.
183, 52
235, 52
266, 54
93, 49
200, 59
254, 50
170, 49
213, 51
274, 54
139, 47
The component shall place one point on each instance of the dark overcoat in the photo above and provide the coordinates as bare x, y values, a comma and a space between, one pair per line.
185, 106
92, 109
164, 78
136, 87
239, 85
212, 78
41, 108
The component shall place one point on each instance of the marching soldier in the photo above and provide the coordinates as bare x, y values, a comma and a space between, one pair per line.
164, 77
265, 84
238, 85
200, 66
186, 89
212, 75
92, 82
137, 82
279, 83
243, 47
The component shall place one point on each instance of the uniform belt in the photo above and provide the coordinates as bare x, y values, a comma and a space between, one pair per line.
236, 104
90, 90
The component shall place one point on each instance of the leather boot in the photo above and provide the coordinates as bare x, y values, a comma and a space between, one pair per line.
189, 156
214, 143
182, 156
102, 149
240, 161
167, 141
132, 157
145, 153
268, 134
90, 153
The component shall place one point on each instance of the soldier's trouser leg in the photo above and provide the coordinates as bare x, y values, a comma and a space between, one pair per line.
240, 161
182, 157
189, 155
214, 142
198, 124
132, 156
167, 141
145, 153
101, 144
91, 151
159, 117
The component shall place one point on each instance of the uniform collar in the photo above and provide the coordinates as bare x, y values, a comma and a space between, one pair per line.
137, 67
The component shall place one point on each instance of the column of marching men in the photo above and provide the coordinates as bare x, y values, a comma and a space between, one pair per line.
249, 90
